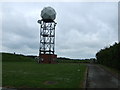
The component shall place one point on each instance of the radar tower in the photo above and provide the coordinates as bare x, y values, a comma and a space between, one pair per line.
47, 36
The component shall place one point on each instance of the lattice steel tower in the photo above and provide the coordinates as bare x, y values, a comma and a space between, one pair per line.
47, 35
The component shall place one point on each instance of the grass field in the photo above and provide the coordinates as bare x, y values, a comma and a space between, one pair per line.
33, 75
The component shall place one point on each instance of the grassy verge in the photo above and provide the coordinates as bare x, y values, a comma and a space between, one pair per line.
114, 71
34, 75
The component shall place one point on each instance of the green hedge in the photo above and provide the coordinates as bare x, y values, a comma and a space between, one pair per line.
110, 56
72, 61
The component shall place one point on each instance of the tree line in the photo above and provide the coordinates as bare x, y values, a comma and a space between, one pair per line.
110, 56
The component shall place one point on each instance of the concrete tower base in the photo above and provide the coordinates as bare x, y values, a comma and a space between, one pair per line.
48, 58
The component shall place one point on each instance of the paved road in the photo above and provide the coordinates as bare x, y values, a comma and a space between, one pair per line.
99, 78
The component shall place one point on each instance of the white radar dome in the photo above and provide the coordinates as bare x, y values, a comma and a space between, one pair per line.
48, 14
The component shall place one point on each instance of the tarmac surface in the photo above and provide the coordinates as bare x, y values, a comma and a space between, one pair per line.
100, 78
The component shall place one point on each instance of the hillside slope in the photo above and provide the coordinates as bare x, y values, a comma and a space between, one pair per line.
15, 58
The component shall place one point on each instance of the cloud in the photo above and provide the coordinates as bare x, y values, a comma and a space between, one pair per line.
18, 31
82, 28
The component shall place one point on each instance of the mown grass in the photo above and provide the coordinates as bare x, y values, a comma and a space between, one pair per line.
33, 75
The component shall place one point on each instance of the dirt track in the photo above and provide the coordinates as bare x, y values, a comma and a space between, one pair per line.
99, 78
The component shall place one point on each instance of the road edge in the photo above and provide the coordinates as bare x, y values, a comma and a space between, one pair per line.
116, 75
86, 78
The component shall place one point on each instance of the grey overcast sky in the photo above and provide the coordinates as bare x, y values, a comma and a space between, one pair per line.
83, 28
